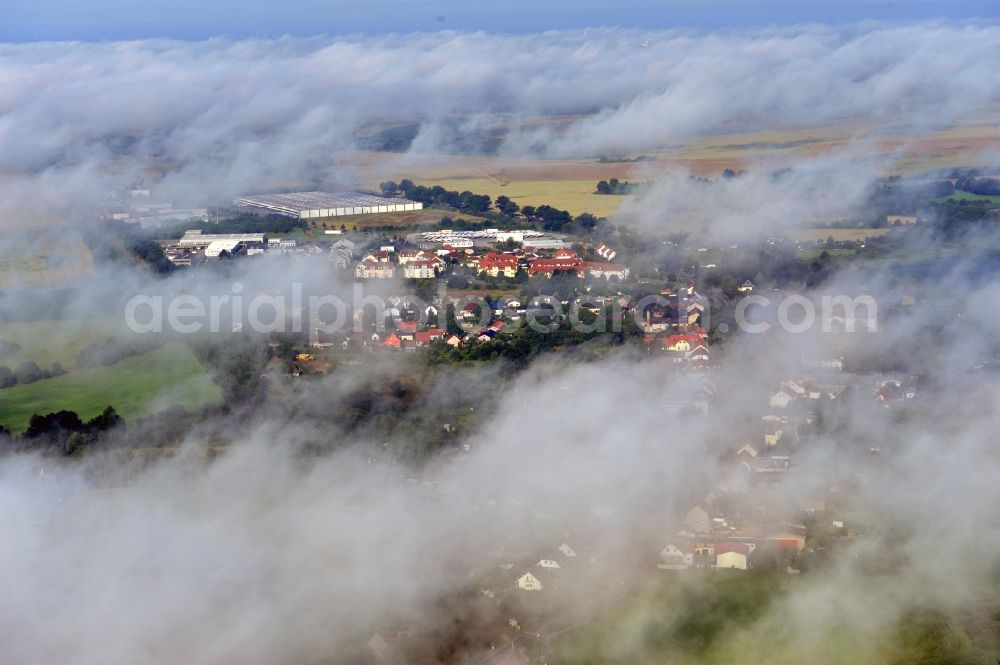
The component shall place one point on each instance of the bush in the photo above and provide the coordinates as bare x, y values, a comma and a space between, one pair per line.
114, 350
7, 377
29, 372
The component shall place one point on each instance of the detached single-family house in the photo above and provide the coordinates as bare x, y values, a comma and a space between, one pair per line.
529, 582
781, 399
697, 520
673, 557
772, 436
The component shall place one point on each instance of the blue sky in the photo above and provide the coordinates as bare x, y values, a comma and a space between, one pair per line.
28, 20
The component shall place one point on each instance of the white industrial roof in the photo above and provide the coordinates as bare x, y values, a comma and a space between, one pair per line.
217, 246
481, 234
299, 201
195, 238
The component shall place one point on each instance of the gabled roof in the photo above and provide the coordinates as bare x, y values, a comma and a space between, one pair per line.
603, 267
428, 336
496, 260
422, 263
551, 265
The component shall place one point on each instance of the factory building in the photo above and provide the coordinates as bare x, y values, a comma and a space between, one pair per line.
195, 245
316, 205
195, 239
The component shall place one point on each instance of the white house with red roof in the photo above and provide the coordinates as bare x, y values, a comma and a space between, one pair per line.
548, 267
605, 270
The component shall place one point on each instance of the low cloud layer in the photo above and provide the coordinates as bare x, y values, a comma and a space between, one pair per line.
265, 556
223, 116
262, 556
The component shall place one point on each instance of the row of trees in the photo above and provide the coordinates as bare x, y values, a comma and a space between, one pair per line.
617, 187
62, 431
115, 349
437, 195
95, 355
981, 186
27, 372
547, 217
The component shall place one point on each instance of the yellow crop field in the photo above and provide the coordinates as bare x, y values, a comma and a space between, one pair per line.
575, 196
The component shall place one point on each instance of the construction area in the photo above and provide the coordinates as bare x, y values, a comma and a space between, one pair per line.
318, 205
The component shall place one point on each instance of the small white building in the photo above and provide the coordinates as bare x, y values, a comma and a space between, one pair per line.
529, 582
780, 399
736, 560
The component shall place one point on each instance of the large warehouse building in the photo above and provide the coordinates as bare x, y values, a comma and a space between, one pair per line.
313, 205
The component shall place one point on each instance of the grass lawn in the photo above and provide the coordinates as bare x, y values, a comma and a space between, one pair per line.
967, 196
54, 259
168, 376
46, 342
725, 617
837, 252
839, 235
405, 219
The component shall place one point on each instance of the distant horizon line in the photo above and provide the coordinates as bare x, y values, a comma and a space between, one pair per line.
850, 25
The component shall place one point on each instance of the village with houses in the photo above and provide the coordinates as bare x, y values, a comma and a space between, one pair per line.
481, 269
455, 293
457, 333
755, 522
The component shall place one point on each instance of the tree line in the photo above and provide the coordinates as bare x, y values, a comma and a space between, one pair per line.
60, 432
99, 354
27, 372
437, 195
616, 187
546, 217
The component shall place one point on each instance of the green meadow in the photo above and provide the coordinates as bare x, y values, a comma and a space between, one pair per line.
138, 386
